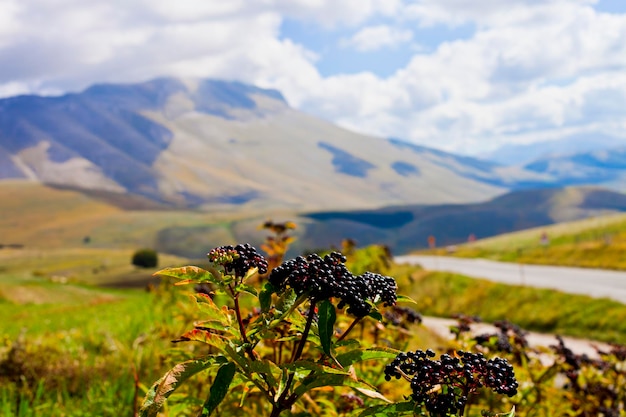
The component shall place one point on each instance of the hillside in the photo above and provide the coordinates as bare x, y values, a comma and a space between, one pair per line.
42, 217
408, 227
606, 166
208, 143
597, 242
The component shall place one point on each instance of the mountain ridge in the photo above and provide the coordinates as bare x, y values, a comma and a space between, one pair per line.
200, 143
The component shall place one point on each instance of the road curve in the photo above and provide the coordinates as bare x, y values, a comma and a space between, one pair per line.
592, 282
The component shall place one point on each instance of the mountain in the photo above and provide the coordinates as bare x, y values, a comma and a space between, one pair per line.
212, 143
606, 167
513, 154
408, 227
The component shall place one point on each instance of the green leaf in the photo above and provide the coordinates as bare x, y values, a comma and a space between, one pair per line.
265, 367
313, 366
265, 297
204, 336
282, 385
246, 288
390, 410
405, 299
251, 272
331, 380
375, 314
219, 389
286, 300
164, 387
373, 394
213, 312
360, 355
326, 324
509, 414
239, 358
189, 273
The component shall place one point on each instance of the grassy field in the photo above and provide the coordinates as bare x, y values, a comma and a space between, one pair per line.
83, 334
598, 242
72, 347
444, 294
39, 217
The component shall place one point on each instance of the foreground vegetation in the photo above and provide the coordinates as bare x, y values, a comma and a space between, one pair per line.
592, 243
74, 345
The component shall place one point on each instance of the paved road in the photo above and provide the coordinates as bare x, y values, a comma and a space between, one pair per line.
593, 282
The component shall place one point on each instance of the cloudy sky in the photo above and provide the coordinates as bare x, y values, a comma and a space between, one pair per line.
461, 75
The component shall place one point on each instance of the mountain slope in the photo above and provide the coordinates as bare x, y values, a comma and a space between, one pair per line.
408, 227
606, 167
208, 143
522, 154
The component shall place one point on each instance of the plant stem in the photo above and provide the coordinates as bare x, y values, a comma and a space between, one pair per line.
305, 333
344, 334
283, 403
242, 329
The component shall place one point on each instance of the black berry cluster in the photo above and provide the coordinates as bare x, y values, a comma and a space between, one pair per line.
402, 316
510, 338
594, 382
572, 363
327, 277
238, 259
443, 385
380, 288
464, 323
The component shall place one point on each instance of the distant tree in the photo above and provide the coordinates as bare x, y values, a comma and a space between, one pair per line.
145, 258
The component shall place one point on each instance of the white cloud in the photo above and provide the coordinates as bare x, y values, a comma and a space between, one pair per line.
532, 69
372, 38
484, 13
330, 13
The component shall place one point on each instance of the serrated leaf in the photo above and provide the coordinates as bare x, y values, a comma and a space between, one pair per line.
282, 385
265, 296
331, 380
239, 358
267, 368
164, 387
247, 288
390, 410
360, 355
405, 299
326, 325
204, 336
286, 300
188, 273
314, 366
373, 394
212, 310
219, 389
184, 282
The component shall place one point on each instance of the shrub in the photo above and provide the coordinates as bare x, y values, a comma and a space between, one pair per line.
145, 258
305, 342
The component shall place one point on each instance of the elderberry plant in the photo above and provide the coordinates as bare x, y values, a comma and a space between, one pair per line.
283, 343
444, 385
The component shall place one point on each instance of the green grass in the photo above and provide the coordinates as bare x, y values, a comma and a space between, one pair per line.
592, 243
445, 294
94, 266
40, 217
84, 349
